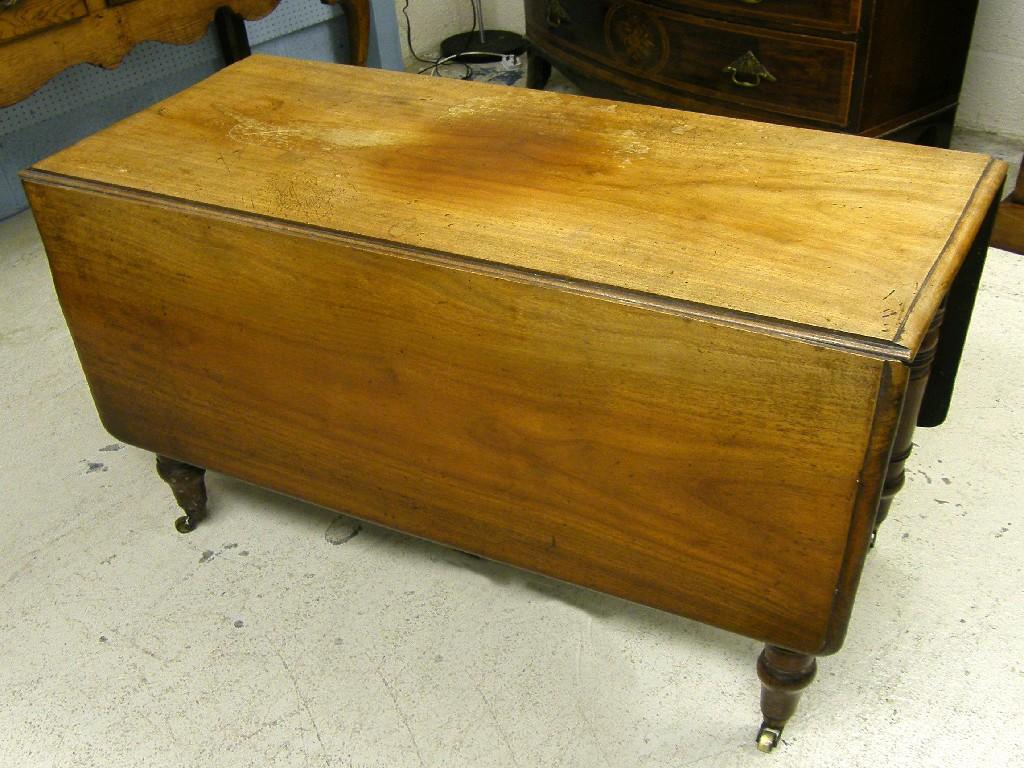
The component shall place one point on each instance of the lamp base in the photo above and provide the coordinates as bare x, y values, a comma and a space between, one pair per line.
498, 42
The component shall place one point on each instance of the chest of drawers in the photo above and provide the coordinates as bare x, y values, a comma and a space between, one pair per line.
875, 67
606, 369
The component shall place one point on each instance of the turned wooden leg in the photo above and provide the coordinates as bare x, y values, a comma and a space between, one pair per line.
234, 42
921, 366
357, 17
538, 70
784, 674
189, 487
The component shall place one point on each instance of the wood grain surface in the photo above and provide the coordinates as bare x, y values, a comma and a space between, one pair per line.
831, 238
706, 470
1009, 228
826, 15
26, 16
689, 53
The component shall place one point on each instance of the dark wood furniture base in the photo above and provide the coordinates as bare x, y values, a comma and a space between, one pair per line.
784, 675
1009, 229
188, 484
888, 68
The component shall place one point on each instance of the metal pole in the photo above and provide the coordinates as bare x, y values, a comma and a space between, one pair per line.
480, 19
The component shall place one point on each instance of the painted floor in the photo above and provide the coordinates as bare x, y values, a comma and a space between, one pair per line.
282, 634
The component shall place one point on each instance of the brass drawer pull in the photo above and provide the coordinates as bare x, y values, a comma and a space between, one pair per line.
748, 72
557, 15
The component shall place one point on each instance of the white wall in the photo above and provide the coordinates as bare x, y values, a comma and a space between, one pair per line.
506, 14
431, 21
993, 94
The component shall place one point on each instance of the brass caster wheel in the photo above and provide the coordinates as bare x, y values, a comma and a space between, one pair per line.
768, 738
184, 524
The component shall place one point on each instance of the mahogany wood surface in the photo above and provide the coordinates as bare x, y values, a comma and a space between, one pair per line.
1009, 225
1009, 232
189, 487
917, 382
831, 15
27, 16
830, 238
41, 38
665, 359
680, 48
916, 56
670, 461
357, 17
899, 74
556, 410
784, 675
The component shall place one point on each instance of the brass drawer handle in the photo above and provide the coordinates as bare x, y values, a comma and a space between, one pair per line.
557, 15
748, 72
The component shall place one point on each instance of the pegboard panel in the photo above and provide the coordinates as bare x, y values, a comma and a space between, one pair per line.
148, 62
85, 98
85, 84
290, 16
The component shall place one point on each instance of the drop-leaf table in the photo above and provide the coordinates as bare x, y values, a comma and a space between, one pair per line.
673, 357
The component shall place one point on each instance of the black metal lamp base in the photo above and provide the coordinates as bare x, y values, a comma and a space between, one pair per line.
498, 42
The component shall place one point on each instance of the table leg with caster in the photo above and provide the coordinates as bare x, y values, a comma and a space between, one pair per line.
189, 487
538, 70
920, 368
784, 674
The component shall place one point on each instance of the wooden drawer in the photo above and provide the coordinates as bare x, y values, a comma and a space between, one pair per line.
825, 15
801, 76
25, 16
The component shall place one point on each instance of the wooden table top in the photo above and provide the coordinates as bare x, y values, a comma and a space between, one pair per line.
838, 240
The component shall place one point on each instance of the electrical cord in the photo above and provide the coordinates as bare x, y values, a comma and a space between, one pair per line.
434, 65
454, 58
408, 34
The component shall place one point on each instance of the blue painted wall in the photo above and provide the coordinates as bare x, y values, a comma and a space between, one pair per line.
84, 99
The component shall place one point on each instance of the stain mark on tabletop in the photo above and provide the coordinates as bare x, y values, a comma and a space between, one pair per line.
94, 466
239, 623
341, 530
112, 447
207, 556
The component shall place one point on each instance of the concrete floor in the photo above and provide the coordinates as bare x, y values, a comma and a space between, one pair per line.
273, 636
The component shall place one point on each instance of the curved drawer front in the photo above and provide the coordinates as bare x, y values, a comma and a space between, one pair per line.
826, 15
788, 74
22, 17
